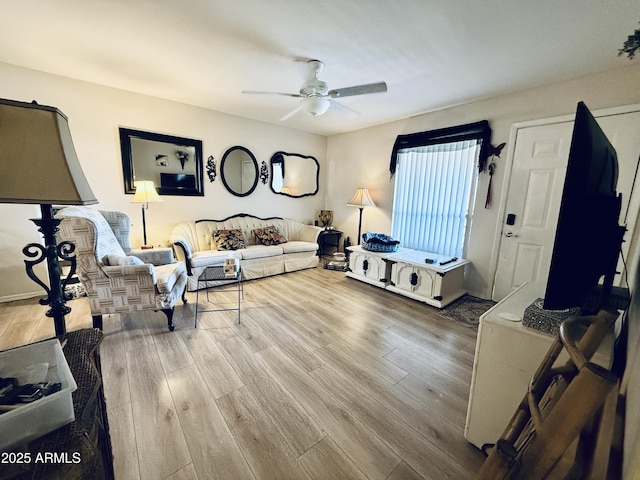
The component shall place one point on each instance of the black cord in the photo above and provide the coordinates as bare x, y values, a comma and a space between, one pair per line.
633, 186
620, 344
621, 341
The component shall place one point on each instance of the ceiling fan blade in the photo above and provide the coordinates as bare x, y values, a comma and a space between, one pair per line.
251, 92
343, 109
358, 90
291, 113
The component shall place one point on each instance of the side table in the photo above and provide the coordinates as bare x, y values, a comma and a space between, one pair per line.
217, 273
507, 356
82, 448
328, 239
154, 256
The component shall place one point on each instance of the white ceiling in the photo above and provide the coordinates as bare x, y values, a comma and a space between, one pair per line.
432, 54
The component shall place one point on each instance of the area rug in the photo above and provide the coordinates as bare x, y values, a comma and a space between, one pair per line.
467, 310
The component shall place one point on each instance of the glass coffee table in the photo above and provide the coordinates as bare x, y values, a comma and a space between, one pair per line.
232, 283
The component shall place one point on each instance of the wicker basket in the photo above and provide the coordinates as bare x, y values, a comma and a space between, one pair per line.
379, 242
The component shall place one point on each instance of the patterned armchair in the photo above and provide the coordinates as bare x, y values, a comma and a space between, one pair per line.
116, 281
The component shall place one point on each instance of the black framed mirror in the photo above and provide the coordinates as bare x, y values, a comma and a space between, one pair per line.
294, 175
173, 164
239, 171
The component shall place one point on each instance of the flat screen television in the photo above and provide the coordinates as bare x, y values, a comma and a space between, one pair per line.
588, 237
177, 180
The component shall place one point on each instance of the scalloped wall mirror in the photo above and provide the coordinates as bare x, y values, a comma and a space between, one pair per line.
294, 175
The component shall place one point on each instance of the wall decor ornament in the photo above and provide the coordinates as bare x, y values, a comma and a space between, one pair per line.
264, 172
162, 161
493, 152
211, 169
183, 157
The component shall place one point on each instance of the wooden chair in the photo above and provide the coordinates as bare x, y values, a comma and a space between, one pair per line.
563, 426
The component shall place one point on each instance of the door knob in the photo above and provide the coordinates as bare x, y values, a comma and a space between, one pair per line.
510, 234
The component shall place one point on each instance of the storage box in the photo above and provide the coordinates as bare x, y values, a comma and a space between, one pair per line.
32, 420
231, 266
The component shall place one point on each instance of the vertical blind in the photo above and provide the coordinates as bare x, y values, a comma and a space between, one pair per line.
432, 201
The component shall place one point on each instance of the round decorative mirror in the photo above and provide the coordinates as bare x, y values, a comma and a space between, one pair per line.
239, 171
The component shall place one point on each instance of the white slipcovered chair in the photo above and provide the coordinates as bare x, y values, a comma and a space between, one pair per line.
115, 280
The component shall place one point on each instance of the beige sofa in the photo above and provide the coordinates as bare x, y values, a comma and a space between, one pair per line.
195, 243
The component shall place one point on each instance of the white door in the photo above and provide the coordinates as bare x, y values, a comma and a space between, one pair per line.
535, 190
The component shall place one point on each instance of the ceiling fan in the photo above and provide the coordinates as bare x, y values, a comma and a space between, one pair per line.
316, 98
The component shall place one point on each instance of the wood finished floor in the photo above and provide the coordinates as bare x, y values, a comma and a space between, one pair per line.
325, 378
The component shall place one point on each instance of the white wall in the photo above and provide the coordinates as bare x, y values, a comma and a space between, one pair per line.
361, 159
95, 113
347, 161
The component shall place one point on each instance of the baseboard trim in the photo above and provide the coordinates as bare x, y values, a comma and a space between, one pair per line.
20, 296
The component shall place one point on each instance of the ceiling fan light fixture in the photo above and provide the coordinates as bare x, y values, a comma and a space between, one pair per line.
316, 98
315, 106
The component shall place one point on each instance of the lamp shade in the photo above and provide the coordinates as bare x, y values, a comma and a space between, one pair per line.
361, 199
38, 163
145, 192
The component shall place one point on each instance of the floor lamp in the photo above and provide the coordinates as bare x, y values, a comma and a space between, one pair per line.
38, 165
361, 199
145, 193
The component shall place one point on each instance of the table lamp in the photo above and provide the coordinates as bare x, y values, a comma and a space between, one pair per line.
361, 199
38, 165
145, 193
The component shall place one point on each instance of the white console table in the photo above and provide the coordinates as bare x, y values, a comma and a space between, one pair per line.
507, 356
407, 273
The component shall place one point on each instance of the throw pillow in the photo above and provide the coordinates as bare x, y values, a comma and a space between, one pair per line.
231, 239
120, 261
269, 236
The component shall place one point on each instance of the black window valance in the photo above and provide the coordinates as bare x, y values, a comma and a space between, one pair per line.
478, 130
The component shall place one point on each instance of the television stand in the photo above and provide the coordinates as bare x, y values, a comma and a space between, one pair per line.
507, 355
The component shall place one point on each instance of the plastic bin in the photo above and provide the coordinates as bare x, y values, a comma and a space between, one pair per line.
32, 420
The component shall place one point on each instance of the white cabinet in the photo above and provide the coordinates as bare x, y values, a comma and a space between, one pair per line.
507, 356
437, 283
407, 273
368, 266
407, 278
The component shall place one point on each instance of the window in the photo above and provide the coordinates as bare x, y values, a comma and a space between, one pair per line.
435, 180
